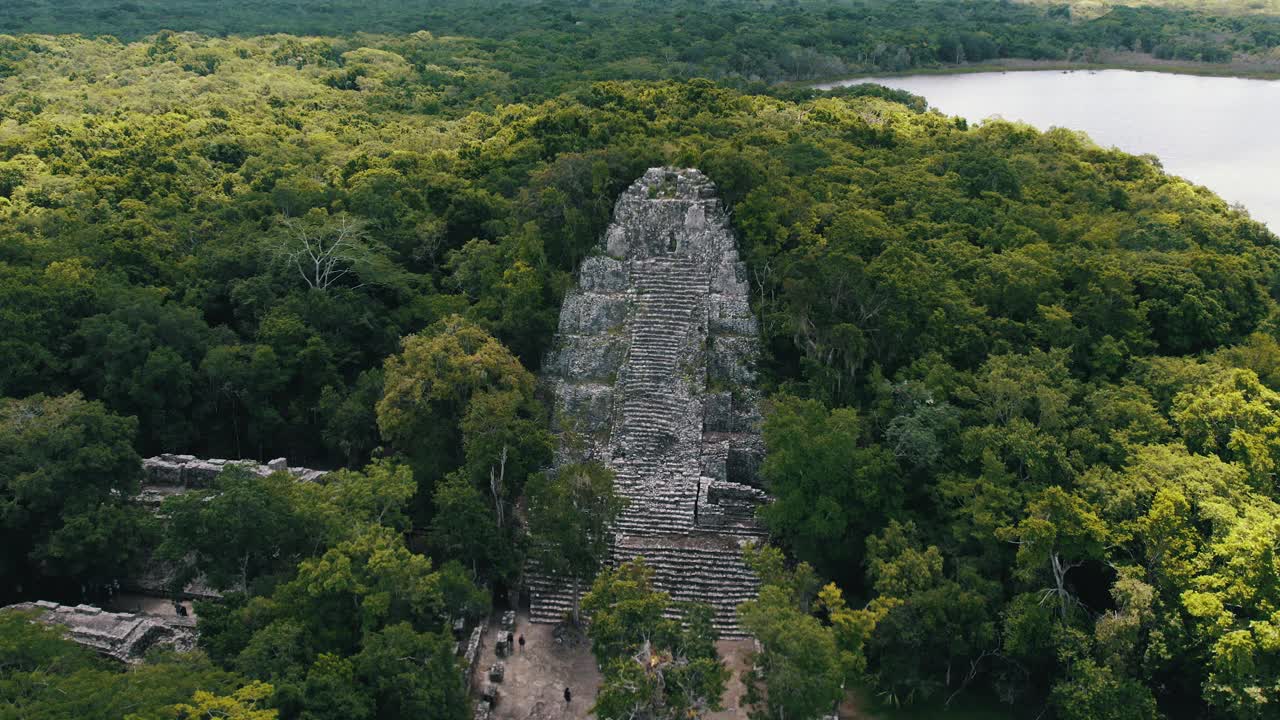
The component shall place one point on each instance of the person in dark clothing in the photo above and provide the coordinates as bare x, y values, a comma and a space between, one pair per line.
522, 642
567, 695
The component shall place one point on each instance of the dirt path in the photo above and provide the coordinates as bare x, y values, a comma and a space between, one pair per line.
737, 656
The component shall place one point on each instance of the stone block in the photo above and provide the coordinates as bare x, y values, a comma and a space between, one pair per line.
162, 472
587, 406
201, 473
123, 636
615, 242
592, 314
278, 465
743, 465
730, 360
717, 412
588, 359
603, 274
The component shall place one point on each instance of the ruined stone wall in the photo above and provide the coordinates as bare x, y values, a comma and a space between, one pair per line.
653, 366
189, 471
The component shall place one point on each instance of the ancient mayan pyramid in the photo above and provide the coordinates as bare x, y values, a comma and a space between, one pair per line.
653, 368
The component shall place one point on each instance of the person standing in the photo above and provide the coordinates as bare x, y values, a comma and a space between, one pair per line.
568, 696
521, 643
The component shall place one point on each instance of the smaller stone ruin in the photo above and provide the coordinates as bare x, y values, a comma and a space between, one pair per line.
165, 475
123, 636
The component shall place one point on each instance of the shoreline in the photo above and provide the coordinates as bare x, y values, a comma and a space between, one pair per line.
1227, 70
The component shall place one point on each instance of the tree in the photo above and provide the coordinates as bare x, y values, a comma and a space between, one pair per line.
430, 386
1094, 691
360, 629
1236, 417
570, 515
654, 667
67, 468
504, 439
333, 692
324, 250
412, 674
244, 529
44, 675
830, 485
247, 377
239, 705
1059, 533
464, 529
926, 633
140, 360
379, 494
800, 664
351, 424
360, 585
625, 612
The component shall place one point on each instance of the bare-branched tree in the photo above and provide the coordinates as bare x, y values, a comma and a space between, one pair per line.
324, 249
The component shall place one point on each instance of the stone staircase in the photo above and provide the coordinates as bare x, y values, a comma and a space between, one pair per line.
671, 262
703, 567
654, 469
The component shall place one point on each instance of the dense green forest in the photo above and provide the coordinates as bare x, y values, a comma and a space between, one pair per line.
545, 46
1024, 391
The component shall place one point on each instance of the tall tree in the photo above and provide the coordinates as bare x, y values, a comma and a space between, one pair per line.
571, 512
801, 670
456, 370
655, 668
245, 529
832, 485
67, 469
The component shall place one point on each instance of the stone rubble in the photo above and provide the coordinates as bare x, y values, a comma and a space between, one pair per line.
653, 366
471, 657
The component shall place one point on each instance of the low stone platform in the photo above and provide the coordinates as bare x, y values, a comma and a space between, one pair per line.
123, 636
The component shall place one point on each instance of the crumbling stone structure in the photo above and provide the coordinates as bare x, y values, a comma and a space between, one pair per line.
172, 474
653, 367
123, 636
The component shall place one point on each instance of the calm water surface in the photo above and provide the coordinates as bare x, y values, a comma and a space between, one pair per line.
1223, 133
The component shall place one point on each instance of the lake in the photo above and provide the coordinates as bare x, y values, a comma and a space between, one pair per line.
1223, 133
